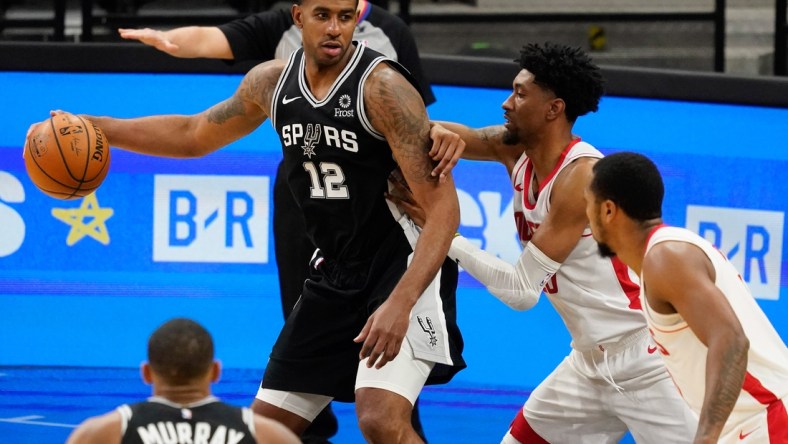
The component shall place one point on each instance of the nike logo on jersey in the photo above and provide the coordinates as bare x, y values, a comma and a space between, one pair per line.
651, 350
743, 435
285, 100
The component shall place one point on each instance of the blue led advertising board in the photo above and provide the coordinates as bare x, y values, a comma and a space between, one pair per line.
82, 280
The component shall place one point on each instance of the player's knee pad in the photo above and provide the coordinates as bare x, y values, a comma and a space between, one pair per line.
305, 405
405, 375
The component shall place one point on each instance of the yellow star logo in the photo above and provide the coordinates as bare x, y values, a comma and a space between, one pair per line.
87, 220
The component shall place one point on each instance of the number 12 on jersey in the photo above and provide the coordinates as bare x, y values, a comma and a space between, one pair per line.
328, 182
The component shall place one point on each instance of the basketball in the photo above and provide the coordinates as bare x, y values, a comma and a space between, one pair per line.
67, 156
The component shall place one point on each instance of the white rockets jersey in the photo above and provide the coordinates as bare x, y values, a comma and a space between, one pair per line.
685, 355
596, 297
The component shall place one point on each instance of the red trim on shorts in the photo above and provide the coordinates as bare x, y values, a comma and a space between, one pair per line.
776, 416
523, 432
777, 420
631, 289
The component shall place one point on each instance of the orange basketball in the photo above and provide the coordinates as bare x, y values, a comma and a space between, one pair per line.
67, 156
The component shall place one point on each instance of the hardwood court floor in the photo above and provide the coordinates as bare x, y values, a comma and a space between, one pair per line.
41, 405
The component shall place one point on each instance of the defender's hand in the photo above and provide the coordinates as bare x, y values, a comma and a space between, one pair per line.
403, 197
447, 148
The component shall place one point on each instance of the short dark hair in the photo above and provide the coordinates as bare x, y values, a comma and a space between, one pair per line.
632, 181
568, 72
180, 350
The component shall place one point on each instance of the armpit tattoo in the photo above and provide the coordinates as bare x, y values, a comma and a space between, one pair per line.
257, 87
396, 108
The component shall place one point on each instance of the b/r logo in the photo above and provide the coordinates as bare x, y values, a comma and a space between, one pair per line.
210, 219
751, 239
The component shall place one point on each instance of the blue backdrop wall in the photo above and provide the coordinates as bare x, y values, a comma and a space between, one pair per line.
83, 282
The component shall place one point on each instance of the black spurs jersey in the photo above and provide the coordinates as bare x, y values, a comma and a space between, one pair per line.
336, 164
158, 420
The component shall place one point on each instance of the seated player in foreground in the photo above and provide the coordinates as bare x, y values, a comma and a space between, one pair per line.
181, 369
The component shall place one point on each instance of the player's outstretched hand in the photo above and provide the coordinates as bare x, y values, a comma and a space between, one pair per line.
150, 37
447, 148
34, 127
384, 332
403, 197
30, 130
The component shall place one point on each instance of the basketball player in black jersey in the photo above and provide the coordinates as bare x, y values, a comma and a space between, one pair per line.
272, 34
376, 320
180, 369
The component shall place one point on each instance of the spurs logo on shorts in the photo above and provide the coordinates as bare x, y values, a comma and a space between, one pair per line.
426, 325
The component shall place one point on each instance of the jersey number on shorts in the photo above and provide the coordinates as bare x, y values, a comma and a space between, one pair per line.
332, 184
